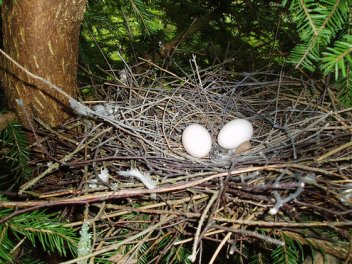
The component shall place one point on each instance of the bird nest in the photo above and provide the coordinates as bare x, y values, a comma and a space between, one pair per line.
292, 183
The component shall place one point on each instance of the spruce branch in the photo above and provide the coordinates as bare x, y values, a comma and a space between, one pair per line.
13, 138
325, 30
344, 84
338, 58
143, 16
45, 228
317, 22
36, 226
289, 253
6, 245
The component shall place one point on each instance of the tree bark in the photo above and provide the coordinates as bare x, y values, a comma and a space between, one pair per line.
41, 35
6, 119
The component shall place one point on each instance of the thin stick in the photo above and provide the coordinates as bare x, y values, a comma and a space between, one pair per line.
102, 196
115, 246
36, 77
220, 246
333, 151
193, 256
54, 166
250, 233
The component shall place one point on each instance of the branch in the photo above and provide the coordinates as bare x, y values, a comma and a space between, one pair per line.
250, 233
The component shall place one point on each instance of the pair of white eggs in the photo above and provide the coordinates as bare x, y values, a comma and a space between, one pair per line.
197, 142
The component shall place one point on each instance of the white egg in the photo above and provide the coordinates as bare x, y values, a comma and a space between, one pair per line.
235, 133
196, 140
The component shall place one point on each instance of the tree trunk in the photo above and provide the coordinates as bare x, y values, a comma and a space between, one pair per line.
41, 35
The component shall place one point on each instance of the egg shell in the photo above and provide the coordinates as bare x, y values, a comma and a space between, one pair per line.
196, 141
235, 133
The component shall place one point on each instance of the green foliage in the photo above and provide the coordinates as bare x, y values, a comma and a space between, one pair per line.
326, 40
259, 258
248, 254
179, 254
37, 227
290, 253
111, 28
214, 31
299, 246
14, 146
175, 254
163, 249
338, 59
143, 16
6, 244
318, 22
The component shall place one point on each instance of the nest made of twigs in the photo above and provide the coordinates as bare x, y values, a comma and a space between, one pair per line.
300, 156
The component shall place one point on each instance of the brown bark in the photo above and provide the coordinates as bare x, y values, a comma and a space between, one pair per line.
42, 35
6, 119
